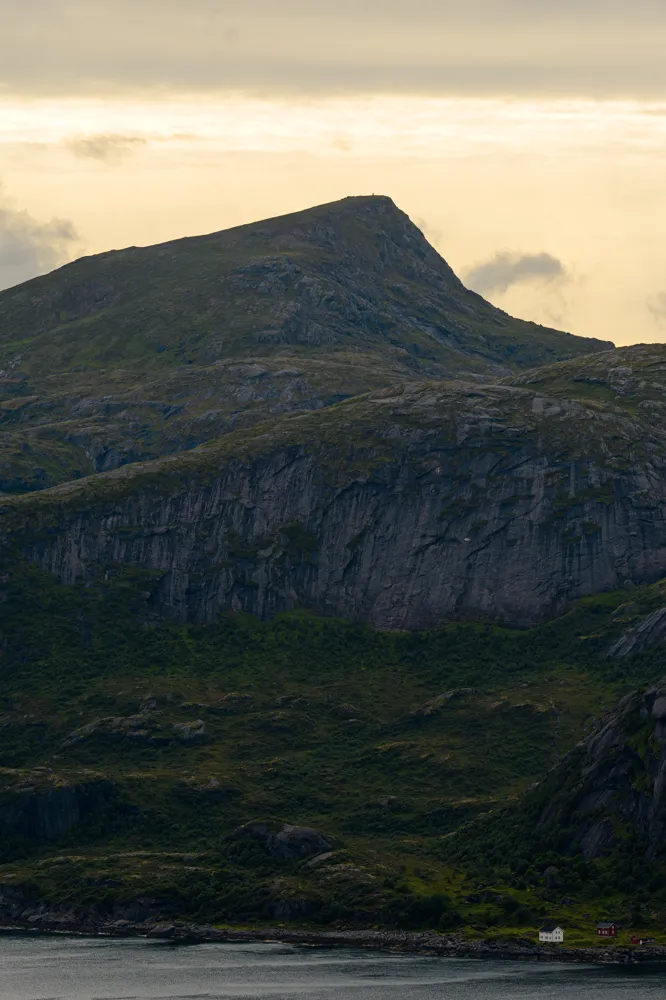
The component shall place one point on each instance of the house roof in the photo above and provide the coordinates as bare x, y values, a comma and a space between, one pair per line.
606, 924
549, 927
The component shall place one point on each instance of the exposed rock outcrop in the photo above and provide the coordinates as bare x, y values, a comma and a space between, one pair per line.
614, 783
646, 632
49, 811
435, 705
190, 732
286, 842
402, 508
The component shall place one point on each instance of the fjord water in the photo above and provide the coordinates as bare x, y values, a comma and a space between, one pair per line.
60, 968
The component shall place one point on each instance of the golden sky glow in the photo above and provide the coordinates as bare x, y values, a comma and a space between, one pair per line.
536, 167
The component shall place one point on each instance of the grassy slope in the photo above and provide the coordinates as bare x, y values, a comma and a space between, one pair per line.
137, 353
188, 300
309, 721
66, 426
631, 379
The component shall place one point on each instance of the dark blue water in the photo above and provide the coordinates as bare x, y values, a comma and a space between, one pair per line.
97, 969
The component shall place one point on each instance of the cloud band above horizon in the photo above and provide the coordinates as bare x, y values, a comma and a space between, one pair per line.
596, 48
529, 124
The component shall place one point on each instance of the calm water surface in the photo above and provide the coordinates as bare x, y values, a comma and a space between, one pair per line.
80, 969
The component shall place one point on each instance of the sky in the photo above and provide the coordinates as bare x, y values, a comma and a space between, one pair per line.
527, 138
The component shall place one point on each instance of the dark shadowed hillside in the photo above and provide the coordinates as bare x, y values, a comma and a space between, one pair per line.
149, 769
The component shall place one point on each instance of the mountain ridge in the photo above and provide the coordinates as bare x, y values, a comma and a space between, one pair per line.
370, 230
405, 507
137, 353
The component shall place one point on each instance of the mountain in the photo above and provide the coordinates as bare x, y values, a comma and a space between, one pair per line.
404, 507
500, 498
339, 612
137, 353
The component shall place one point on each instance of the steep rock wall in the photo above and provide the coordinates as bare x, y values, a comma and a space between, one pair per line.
48, 813
401, 509
615, 782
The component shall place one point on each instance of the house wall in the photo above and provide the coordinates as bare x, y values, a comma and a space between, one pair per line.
554, 937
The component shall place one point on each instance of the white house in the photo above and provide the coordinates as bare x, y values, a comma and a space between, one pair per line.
551, 933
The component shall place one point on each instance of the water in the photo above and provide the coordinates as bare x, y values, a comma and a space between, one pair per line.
63, 968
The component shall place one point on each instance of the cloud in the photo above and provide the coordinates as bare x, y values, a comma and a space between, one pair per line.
657, 308
580, 47
109, 148
29, 247
505, 269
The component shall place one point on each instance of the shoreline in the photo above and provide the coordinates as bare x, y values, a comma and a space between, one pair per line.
410, 942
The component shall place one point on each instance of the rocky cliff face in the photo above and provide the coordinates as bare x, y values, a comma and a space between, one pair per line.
614, 784
401, 508
45, 810
647, 631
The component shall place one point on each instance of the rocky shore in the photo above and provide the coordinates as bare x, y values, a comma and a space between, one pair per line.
418, 942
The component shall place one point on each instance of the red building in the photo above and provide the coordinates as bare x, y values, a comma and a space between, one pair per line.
607, 929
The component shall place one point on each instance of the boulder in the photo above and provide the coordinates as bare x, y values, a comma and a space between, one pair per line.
190, 732
433, 706
285, 842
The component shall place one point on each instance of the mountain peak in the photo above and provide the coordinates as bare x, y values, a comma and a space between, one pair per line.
200, 334
353, 205
352, 224
359, 208
354, 274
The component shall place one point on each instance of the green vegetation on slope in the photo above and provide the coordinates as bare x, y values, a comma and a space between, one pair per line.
386, 743
209, 297
453, 423
138, 353
630, 380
